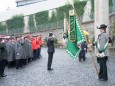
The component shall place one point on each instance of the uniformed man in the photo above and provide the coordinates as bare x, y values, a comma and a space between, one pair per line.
102, 44
10, 50
24, 54
83, 47
18, 52
28, 49
51, 50
3, 57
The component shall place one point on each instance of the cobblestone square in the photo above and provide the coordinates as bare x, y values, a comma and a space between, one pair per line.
67, 72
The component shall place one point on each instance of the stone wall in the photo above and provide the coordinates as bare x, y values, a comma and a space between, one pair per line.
58, 33
88, 26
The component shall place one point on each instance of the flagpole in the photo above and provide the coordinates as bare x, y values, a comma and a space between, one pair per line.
94, 63
81, 28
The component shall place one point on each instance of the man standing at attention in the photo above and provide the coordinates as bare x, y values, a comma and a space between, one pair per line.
51, 50
101, 45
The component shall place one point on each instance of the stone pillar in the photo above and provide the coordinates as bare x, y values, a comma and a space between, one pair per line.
87, 12
34, 21
101, 15
26, 27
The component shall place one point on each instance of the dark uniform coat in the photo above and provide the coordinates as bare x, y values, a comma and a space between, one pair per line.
3, 54
30, 51
24, 47
50, 44
51, 50
83, 50
10, 50
18, 50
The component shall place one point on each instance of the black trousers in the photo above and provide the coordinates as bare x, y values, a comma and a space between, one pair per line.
18, 63
103, 68
50, 57
2, 67
38, 53
11, 64
82, 55
35, 53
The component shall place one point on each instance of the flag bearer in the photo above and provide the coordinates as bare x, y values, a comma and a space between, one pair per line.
101, 44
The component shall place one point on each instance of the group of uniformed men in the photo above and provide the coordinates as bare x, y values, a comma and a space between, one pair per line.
17, 51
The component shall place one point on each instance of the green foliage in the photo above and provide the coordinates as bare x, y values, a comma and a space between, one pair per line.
110, 3
92, 5
15, 22
53, 18
61, 10
31, 20
92, 10
79, 6
110, 6
2, 27
41, 17
56, 41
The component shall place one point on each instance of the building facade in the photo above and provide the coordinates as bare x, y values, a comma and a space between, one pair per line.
27, 2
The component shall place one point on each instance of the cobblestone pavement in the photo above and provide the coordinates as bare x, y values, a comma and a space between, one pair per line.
67, 72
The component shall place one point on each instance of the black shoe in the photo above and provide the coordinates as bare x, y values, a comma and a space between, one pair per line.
83, 59
50, 69
79, 60
3, 75
17, 67
103, 79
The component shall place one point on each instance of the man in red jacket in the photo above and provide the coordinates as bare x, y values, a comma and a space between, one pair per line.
38, 46
34, 47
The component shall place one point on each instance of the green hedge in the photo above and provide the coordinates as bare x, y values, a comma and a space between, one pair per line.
2, 27
92, 5
31, 20
15, 22
42, 17
110, 3
53, 18
61, 10
80, 7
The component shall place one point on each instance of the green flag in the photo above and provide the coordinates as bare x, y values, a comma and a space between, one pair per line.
72, 48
